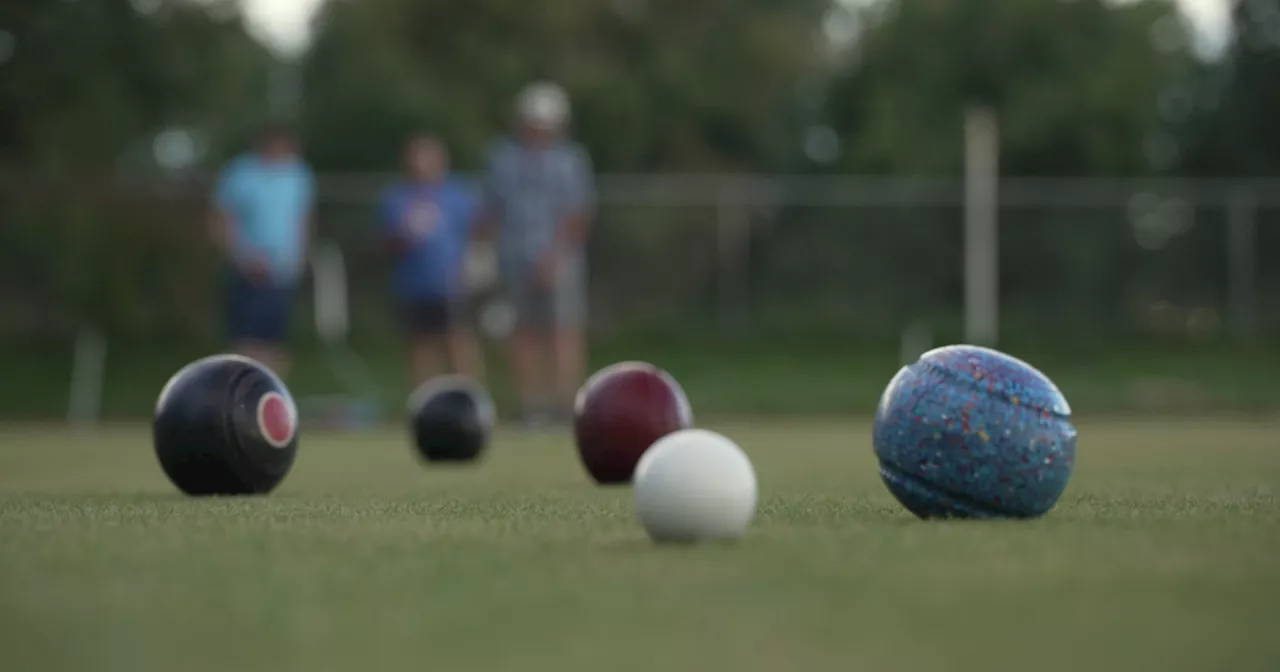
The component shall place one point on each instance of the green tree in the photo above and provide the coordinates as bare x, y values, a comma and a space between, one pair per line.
84, 88
692, 85
1076, 84
86, 80
1238, 129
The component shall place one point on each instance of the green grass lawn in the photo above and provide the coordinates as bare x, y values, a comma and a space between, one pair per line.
1163, 555
759, 377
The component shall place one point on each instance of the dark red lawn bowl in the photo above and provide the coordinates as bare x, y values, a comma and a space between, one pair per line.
621, 411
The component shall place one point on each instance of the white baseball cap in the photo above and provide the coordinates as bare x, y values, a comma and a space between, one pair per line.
543, 104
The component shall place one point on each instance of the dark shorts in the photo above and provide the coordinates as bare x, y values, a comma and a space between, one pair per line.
256, 312
427, 317
563, 305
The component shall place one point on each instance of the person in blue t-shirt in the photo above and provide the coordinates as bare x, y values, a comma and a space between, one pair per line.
262, 224
427, 219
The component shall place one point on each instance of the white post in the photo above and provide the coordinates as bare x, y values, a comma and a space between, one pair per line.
1242, 260
285, 89
84, 405
917, 339
981, 237
329, 277
733, 251
329, 274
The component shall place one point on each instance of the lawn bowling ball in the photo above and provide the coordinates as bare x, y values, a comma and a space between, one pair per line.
451, 418
695, 485
225, 425
969, 432
621, 411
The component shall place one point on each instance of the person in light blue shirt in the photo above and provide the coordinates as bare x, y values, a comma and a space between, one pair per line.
263, 205
427, 219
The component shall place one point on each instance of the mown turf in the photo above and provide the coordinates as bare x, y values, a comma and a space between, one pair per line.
1164, 555
763, 376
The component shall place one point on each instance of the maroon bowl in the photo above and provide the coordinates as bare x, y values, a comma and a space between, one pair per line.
621, 411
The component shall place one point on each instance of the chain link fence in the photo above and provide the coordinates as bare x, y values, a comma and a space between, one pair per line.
863, 257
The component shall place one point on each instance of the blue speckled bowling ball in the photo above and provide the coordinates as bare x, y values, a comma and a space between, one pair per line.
969, 432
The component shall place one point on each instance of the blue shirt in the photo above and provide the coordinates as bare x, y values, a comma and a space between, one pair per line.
532, 191
436, 220
268, 204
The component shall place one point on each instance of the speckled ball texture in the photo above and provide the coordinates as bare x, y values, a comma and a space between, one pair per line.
969, 432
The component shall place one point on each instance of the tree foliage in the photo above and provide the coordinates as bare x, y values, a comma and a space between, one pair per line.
1075, 84
1238, 129
695, 84
724, 85
85, 86
84, 81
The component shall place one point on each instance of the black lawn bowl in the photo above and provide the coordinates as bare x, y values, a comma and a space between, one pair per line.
225, 425
451, 420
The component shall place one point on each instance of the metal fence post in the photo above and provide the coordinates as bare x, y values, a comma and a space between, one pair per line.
1242, 261
84, 406
733, 252
981, 235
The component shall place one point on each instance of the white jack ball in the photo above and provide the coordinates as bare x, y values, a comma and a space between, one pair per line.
695, 485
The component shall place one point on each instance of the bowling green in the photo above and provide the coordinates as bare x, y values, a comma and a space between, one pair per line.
1163, 555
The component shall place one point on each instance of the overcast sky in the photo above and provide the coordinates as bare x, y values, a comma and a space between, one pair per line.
283, 23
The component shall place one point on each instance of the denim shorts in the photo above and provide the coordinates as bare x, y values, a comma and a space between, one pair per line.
562, 305
258, 313
427, 316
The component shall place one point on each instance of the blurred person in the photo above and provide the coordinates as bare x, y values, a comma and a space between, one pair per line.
541, 201
262, 224
428, 219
